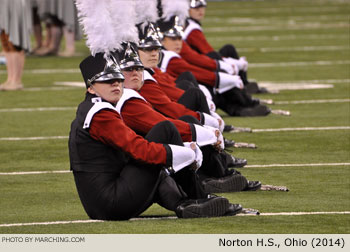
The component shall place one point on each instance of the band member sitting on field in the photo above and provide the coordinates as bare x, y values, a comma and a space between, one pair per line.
119, 174
138, 114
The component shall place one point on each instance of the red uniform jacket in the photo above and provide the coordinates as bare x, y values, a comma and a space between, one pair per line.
152, 92
139, 115
167, 84
195, 38
103, 127
173, 64
197, 59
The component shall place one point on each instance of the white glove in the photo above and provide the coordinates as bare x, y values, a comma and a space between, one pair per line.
205, 91
240, 64
244, 63
209, 97
211, 121
228, 68
199, 155
211, 105
205, 135
219, 136
220, 120
227, 82
182, 157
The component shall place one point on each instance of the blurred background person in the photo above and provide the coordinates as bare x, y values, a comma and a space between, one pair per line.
15, 29
61, 21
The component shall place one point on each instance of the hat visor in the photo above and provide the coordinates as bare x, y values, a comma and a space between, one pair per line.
107, 76
173, 34
150, 44
129, 64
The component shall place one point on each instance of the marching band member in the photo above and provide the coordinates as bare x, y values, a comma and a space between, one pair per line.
119, 174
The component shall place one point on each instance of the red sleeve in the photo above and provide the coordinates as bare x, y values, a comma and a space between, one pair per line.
141, 117
161, 102
197, 59
176, 66
166, 76
197, 41
168, 85
107, 127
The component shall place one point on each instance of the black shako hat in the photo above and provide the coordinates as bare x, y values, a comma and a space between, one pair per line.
100, 68
198, 3
128, 56
148, 36
170, 28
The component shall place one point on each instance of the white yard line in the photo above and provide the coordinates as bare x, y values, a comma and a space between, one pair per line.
52, 70
33, 172
282, 27
301, 213
70, 83
297, 165
32, 138
234, 38
161, 218
254, 11
301, 63
247, 166
293, 86
303, 48
295, 49
34, 89
274, 20
302, 129
49, 223
48, 71
312, 101
37, 109
329, 81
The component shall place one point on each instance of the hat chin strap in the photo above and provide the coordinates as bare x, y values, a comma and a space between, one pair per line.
95, 92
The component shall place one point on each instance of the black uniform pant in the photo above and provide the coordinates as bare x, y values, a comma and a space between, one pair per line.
234, 100
186, 80
193, 98
230, 51
112, 196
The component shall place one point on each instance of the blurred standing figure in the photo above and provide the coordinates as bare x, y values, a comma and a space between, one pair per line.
61, 19
195, 38
15, 28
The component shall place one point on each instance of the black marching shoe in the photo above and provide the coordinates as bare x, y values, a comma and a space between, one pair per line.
253, 88
229, 143
258, 110
253, 186
231, 129
214, 206
230, 183
235, 162
228, 128
233, 209
263, 90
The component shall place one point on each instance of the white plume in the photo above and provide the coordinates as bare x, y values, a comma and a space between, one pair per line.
146, 11
178, 8
124, 20
96, 20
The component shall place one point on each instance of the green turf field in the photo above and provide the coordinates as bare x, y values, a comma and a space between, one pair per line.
286, 42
